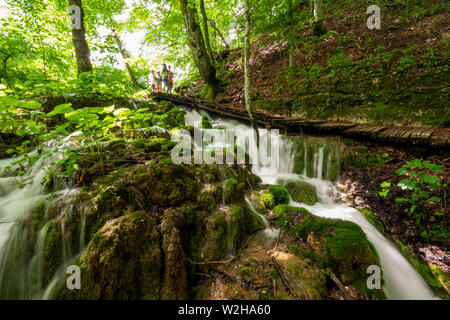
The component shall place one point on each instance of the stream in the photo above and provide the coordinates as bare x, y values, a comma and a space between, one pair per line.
21, 275
402, 282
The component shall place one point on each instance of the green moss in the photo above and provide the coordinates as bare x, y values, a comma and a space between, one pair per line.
344, 246
430, 275
280, 194
268, 200
373, 219
206, 124
215, 246
206, 200
301, 191
361, 157
52, 252
38, 217
233, 191
163, 107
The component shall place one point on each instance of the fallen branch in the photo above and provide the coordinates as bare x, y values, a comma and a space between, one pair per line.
339, 285
283, 278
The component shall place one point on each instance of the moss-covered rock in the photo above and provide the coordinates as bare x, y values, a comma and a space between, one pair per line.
339, 245
301, 191
280, 194
122, 261
373, 219
233, 191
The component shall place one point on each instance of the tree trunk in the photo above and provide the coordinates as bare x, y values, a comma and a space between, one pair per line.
248, 102
206, 32
125, 59
291, 36
3, 74
318, 28
198, 48
79, 41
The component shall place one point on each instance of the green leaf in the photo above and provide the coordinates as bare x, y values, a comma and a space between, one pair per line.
61, 109
385, 184
31, 105
435, 199
407, 184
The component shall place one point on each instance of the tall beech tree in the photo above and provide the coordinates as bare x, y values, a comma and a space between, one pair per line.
198, 48
318, 27
79, 39
206, 31
248, 102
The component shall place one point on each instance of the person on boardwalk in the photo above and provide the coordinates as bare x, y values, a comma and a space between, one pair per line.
157, 82
170, 80
152, 80
165, 77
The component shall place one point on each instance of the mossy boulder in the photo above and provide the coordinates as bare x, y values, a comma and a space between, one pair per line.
233, 191
301, 191
274, 196
163, 107
227, 229
339, 245
123, 260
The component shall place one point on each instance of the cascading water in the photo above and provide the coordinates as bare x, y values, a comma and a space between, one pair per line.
319, 162
21, 260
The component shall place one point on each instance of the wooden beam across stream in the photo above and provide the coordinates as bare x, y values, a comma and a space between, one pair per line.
385, 134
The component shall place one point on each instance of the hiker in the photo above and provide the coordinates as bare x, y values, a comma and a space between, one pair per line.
157, 82
165, 77
170, 80
152, 80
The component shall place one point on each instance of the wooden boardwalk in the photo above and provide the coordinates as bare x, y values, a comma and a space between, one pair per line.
400, 135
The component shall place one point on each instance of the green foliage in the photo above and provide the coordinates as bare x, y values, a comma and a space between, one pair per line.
421, 179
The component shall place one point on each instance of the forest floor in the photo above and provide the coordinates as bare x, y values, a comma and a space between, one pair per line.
396, 75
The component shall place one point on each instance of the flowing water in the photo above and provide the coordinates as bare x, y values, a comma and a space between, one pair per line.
21, 261
401, 279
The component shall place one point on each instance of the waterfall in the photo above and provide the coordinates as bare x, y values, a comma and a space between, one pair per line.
401, 280
21, 260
